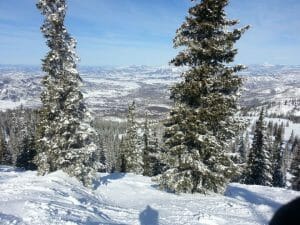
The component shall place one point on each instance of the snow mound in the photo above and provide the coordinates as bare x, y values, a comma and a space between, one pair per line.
28, 199
56, 199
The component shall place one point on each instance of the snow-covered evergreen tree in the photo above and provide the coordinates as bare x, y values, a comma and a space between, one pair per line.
5, 158
292, 138
109, 138
131, 148
121, 160
27, 154
275, 129
66, 138
16, 126
239, 157
270, 127
102, 156
259, 166
151, 162
295, 165
279, 173
203, 122
243, 148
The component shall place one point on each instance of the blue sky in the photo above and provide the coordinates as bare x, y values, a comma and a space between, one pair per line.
140, 32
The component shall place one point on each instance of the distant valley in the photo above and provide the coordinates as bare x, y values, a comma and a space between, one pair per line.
108, 91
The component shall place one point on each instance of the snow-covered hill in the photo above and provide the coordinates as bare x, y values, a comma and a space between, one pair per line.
56, 199
108, 91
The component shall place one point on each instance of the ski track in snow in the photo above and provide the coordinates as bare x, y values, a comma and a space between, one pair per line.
56, 199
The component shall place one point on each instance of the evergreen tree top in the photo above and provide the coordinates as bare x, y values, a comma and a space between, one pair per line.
61, 60
260, 121
131, 114
207, 38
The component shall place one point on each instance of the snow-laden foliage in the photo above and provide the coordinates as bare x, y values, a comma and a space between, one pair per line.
203, 121
4, 159
131, 156
279, 168
259, 166
66, 139
295, 166
17, 137
151, 162
243, 147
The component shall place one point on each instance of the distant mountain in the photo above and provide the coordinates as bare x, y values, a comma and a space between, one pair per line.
108, 90
271, 70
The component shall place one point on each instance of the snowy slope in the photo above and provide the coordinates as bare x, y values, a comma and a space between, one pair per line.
53, 199
289, 126
26, 199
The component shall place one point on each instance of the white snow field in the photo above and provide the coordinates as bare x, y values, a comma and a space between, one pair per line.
56, 199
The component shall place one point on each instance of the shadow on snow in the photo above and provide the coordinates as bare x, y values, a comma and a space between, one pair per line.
240, 193
149, 216
107, 179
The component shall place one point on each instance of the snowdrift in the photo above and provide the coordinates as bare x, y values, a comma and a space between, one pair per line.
57, 199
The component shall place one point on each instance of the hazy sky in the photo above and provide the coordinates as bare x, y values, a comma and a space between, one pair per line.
127, 32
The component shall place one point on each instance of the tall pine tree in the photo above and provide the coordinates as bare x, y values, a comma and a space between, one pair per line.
151, 162
27, 154
66, 139
131, 156
242, 148
295, 165
202, 122
259, 166
279, 178
5, 157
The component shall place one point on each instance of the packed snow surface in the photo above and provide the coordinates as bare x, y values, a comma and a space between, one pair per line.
28, 199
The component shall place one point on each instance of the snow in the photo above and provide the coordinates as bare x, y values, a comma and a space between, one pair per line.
7, 104
114, 119
281, 109
287, 129
54, 199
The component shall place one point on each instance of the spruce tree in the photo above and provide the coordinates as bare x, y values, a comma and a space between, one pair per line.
151, 162
275, 129
242, 148
5, 154
120, 161
102, 157
146, 153
291, 139
270, 127
131, 156
66, 139
295, 165
3, 147
279, 178
27, 154
202, 122
295, 145
259, 166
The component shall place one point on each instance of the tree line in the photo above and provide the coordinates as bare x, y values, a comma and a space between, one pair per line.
138, 147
